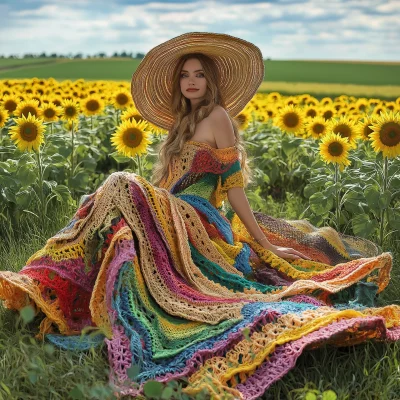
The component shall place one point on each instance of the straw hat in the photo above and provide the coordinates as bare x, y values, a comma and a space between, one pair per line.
240, 65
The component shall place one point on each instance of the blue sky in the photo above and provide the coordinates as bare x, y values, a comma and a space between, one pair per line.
282, 29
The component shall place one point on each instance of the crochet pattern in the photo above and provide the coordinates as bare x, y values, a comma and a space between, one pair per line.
170, 276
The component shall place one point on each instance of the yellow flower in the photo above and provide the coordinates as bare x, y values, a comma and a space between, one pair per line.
290, 119
49, 112
10, 102
121, 99
334, 149
92, 105
386, 134
131, 138
310, 111
317, 127
345, 127
26, 107
3, 117
27, 133
130, 114
70, 110
363, 128
243, 119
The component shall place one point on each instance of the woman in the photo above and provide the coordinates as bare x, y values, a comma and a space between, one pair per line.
174, 272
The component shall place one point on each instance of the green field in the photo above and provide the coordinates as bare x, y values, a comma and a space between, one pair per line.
358, 73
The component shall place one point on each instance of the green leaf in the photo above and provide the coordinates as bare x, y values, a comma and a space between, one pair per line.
133, 371
5, 388
76, 393
329, 395
372, 195
384, 199
320, 204
24, 198
62, 192
27, 314
167, 393
153, 388
26, 174
289, 147
57, 160
310, 396
363, 226
120, 158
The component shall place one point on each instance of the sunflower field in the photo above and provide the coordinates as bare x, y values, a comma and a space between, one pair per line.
332, 161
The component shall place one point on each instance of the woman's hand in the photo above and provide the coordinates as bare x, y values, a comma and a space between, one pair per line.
285, 252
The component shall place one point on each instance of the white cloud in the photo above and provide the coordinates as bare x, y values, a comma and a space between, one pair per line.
279, 29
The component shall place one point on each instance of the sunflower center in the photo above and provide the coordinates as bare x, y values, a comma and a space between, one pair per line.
343, 130
132, 137
49, 113
318, 128
29, 131
390, 134
311, 113
328, 114
1, 119
28, 109
367, 131
335, 149
10, 106
92, 105
122, 99
70, 111
291, 119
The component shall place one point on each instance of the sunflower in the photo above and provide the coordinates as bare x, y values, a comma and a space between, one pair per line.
385, 134
92, 105
26, 107
10, 102
326, 101
131, 113
345, 127
333, 148
363, 127
290, 119
3, 117
378, 109
310, 111
131, 138
121, 99
27, 134
49, 112
362, 105
327, 112
243, 119
70, 110
317, 127
273, 97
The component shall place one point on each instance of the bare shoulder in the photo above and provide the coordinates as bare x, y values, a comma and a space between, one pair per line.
221, 127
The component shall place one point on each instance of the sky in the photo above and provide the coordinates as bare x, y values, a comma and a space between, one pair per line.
282, 29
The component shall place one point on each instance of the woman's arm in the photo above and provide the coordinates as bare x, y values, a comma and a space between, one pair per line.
240, 204
238, 200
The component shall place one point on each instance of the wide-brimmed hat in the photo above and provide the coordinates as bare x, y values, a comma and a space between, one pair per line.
240, 65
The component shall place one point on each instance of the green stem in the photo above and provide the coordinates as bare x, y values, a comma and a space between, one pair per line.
139, 164
72, 152
337, 197
41, 194
91, 122
1, 142
384, 188
51, 128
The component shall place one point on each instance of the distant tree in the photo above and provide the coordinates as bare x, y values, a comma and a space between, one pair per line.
139, 55
78, 55
43, 55
102, 55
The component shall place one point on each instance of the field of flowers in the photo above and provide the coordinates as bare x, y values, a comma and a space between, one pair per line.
333, 161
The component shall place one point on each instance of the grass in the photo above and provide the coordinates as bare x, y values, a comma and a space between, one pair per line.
31, 369
291, 71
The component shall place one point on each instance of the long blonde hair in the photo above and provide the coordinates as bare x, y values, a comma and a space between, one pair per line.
186, 119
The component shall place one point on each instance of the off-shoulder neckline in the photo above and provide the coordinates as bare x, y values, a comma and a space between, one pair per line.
209, 146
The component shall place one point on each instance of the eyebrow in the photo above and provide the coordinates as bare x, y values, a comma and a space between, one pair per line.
197, 70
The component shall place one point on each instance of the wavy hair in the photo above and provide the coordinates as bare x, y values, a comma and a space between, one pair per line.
185, 119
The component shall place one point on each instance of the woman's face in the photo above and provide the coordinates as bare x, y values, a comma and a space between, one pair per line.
192, 77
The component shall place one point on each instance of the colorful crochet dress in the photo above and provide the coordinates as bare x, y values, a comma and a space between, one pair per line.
176, 285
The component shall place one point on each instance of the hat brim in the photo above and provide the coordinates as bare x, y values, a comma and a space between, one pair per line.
240, 64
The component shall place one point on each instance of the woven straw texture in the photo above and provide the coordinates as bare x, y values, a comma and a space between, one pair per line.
240, 64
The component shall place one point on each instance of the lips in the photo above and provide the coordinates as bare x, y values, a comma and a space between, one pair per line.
192, 90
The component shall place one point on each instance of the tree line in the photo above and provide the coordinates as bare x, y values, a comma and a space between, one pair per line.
123, 54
